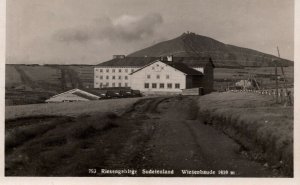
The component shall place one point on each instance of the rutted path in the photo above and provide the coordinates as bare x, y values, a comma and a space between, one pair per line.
175, 139
162, 133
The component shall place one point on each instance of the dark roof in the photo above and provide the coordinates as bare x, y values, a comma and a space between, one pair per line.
184, 68
194, 61
142, 61
129, 61
177, 65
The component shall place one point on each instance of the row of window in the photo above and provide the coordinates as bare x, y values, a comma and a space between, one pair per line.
114, 70
161, 85
113, 77
158, 76
112, 84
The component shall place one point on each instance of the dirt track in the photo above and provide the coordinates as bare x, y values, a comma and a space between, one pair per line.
158, 133
172, 136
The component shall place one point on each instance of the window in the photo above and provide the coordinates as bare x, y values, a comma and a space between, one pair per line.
126, 84
148, 76
107, 84
120, 77
126, 70
101, 77
167, 77
101, 70
157, 76
154, 85
107, 70
161, 85
113, 77
107, 77
120, 85
120, 70
126, 77
113, 84
101, 84
162, 68
153, 68
177, 86
169, 86
146, 85
113, 70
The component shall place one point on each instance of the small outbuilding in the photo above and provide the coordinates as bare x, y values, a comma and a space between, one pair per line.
73, 95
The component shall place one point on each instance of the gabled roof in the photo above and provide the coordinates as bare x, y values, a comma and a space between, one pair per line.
79, 93
176, 65
142, 61
183, 68
128, 61
86, 96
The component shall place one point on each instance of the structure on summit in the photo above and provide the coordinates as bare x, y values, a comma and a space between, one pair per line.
156, 75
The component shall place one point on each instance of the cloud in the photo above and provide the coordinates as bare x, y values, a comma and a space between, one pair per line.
123, 28
72, 35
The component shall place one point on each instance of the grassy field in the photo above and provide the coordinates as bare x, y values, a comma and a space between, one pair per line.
263, 75
12, 77
38, 136
68, 109
256, 122
55, 145
42, 139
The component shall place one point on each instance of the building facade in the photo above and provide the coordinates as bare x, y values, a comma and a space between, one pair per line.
155, 74
164, 77
113, 76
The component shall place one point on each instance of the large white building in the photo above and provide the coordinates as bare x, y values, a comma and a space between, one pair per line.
155, 74
164, 76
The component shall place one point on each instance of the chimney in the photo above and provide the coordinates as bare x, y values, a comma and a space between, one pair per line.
118, 56
170, 58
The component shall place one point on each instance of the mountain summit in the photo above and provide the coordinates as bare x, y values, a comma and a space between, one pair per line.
192, 45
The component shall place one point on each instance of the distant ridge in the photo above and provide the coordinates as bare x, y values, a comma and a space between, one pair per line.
223, 55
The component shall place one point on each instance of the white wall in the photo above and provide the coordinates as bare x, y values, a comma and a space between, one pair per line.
139, 78
125, 71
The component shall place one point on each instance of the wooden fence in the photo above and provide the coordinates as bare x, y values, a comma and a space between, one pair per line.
285, 97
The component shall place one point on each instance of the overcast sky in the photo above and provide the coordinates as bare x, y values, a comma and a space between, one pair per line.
91, 31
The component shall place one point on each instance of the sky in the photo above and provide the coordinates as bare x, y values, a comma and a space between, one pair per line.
91, 31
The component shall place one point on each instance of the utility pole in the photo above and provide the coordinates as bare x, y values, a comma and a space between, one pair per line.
282, 71
276, 91
278, 52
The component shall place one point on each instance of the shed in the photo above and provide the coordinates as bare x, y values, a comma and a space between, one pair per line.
73, 95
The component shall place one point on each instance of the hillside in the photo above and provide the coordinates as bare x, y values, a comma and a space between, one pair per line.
38, 83
223, 55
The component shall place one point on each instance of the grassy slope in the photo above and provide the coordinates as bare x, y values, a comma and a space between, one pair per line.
42, 140
254, 121
12, 76
68, 109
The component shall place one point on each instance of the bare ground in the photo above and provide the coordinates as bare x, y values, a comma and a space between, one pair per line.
161, 133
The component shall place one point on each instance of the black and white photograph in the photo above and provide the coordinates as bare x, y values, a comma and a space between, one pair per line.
149, 88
